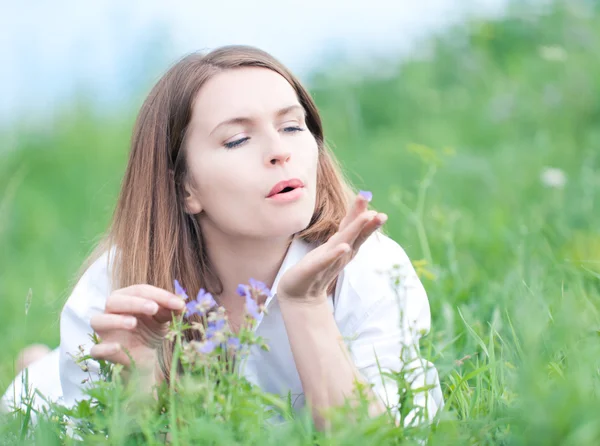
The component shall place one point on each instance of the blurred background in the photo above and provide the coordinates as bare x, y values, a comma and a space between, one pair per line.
476, 124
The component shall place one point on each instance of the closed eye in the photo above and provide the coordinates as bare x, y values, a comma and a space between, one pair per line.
236, 143
293, 129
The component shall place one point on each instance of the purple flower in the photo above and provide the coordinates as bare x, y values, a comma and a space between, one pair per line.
252, 307
206, 347
234, 343
243, 290
367, 195
203, 302
213, 327
260, 287
251, 293
179, 290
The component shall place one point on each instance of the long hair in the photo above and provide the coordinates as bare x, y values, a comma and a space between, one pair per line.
156, 240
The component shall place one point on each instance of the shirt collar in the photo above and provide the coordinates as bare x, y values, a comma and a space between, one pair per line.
296, 251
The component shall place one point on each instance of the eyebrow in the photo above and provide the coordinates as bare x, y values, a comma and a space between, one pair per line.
246, 120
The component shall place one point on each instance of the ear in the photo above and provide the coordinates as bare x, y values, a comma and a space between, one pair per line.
190, 201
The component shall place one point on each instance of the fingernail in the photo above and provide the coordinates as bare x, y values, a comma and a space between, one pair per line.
130, 323
176, 304
367, 195
150, 308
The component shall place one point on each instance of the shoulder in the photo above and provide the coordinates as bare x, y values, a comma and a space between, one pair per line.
94, 285
381, 275
379, 264
379, 251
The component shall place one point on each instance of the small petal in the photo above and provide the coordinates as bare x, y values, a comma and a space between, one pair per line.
367, 195
234, 343
216, 325
206, 299
260, 287
191, 308
214, 328
242, 290
252, 308
206, 347
179, 290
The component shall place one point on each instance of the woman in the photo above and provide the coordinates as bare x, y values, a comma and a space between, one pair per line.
228, 179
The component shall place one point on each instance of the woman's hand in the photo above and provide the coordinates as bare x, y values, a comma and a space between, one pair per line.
136, 319
308, 280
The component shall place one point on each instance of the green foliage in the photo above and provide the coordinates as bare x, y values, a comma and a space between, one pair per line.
453, 144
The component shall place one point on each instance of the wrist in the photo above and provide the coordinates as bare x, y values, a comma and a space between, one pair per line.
306, 314
146, 373
307, 301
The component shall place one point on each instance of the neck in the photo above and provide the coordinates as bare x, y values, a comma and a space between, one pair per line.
237, 259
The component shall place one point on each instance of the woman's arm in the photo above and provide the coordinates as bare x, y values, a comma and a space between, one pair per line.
326, 369
388, 318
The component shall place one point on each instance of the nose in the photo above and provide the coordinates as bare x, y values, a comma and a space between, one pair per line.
277, 153
279, 158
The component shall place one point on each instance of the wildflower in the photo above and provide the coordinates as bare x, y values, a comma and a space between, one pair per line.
553, 177
215, 328
206, 347
234, 343
179, 290
259, 287
242, 290
367, 195
251, 305
252, 293
203, 302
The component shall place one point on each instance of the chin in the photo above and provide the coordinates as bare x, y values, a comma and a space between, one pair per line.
290, 226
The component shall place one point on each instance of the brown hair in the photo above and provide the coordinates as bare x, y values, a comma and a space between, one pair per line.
156, 240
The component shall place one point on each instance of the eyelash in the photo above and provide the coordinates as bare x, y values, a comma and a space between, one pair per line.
239, 142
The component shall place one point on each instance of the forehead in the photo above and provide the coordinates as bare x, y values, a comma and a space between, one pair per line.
241, 92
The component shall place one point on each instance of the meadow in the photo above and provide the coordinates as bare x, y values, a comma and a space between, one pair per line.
483, 148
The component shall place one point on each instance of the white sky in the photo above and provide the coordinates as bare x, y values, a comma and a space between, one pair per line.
49, 48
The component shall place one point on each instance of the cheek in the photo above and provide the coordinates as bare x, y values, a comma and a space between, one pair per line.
224, 183
226, 187
308, 154
313, 163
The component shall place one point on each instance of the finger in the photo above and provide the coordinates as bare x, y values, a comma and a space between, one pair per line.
105, 322
371, 226
352, 231
110, 351
163, 315
325, 258
162, 297
127, 304
367, 229
361, 202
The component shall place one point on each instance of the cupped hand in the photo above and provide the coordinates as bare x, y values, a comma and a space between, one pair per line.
308, 280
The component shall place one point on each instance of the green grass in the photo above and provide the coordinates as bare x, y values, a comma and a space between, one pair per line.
452, 144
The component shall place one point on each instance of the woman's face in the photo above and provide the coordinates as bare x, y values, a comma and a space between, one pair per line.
247, 135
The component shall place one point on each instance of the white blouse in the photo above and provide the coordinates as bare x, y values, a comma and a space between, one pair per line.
376, 317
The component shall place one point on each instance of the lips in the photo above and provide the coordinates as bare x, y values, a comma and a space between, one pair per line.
285, 186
